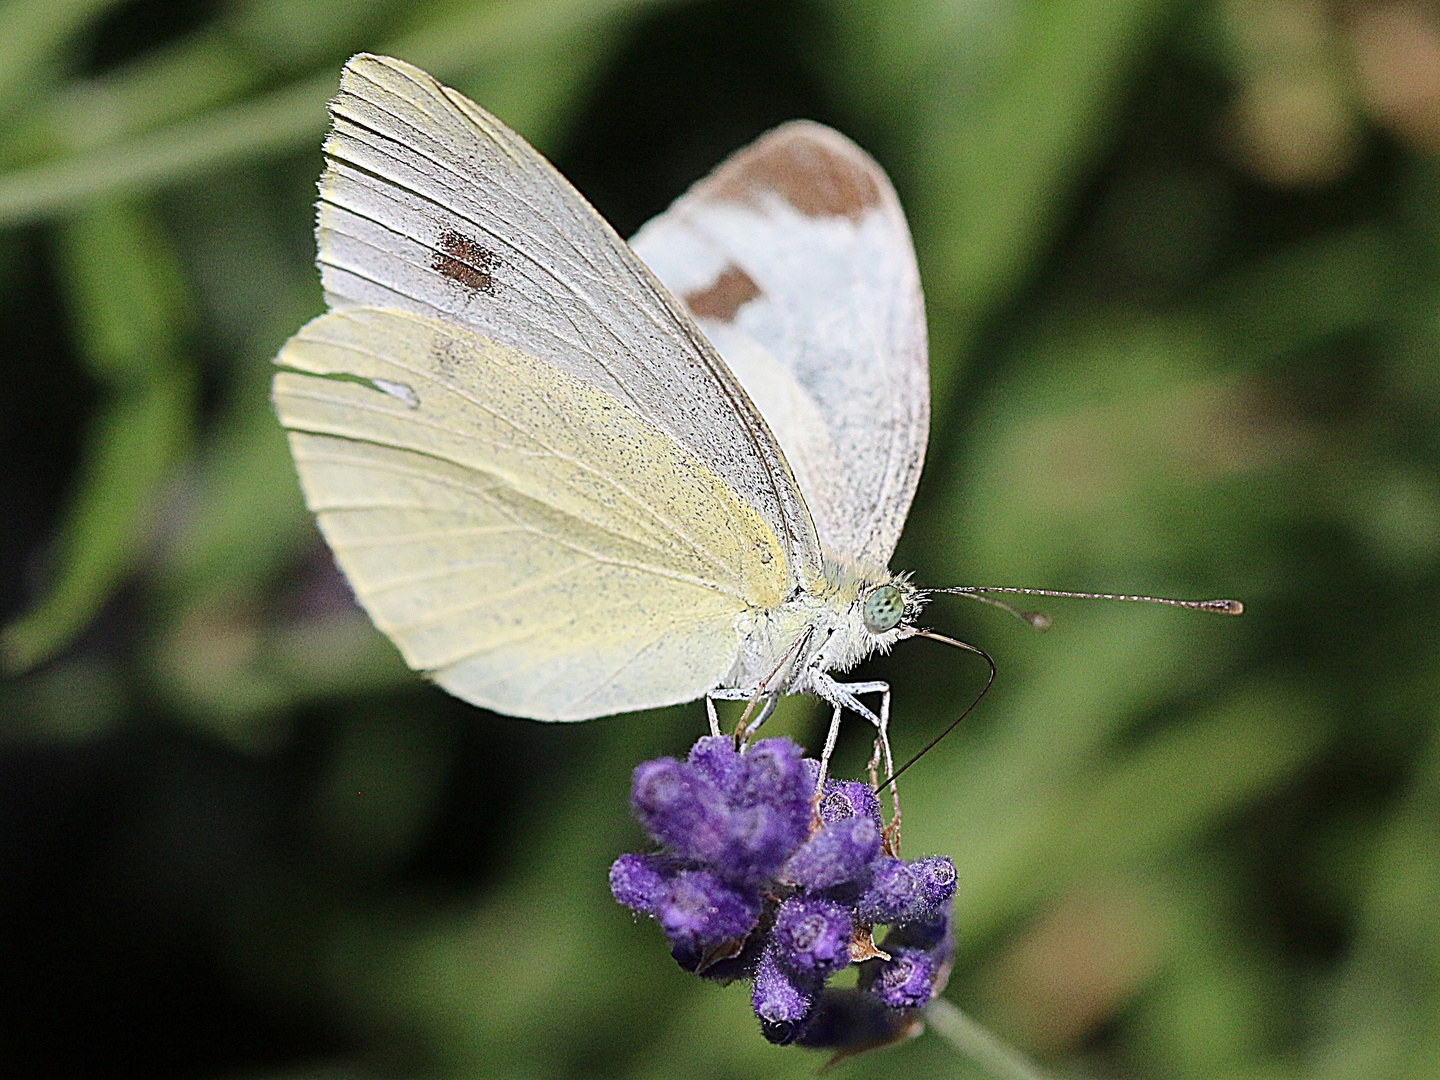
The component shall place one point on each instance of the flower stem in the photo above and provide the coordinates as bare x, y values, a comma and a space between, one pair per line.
978, 1044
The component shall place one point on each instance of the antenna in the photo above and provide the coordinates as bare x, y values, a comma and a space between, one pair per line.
1040, 622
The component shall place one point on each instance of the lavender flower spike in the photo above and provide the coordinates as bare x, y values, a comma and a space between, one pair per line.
759, 879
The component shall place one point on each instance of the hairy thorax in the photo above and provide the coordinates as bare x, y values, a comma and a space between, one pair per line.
819, 627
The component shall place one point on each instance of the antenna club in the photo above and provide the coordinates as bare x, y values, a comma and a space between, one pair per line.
1225, 607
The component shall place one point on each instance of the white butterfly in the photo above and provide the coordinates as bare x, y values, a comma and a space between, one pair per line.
541, 478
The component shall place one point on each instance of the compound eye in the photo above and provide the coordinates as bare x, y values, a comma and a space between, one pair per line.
884, 608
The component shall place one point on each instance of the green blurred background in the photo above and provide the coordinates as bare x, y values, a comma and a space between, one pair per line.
1183, 271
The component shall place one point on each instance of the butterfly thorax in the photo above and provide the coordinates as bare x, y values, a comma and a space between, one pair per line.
820, 627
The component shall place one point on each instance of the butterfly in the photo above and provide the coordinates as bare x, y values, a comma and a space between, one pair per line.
569, 476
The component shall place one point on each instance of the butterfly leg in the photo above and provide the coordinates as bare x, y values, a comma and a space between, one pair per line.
710, 715
727, 693
839, 694
766, 710
842, 696
883, 756
830, 737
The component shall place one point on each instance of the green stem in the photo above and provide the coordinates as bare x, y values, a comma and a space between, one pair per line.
978, 1044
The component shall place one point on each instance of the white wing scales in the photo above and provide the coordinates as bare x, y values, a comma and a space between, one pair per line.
795, 259
429, 204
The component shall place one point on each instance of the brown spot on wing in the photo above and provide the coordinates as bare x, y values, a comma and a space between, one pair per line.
816, 170
721, 300
466, 261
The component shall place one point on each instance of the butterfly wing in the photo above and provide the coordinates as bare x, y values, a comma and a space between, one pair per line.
429, 204
535, 545
795, 259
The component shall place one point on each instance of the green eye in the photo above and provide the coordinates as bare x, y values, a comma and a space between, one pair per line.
884, 608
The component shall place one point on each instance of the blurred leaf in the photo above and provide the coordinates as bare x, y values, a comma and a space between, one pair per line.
1218, 1007
468, 40
1306, 293
34, 33
1384, 1014
998, 139
73, 701
130, 309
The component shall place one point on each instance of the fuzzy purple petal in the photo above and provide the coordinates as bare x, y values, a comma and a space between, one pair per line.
937, 883
838, 852
781, 1001
681, 809
775, 773
812, 936
640, 882
715, 758
906, 980
760, 840
849, 799
701, 912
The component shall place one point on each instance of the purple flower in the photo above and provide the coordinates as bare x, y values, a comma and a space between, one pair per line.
937, 885
714, 757
640, 882
906, 980
761, 838
893, 891
680, 808
701, 913
902, 892
740, 814
775, 774
758, 879
839, 852
849, 799
812, 936
782, 1001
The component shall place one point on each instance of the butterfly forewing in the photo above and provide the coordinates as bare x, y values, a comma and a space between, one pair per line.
535, 545
430, 205
795, 259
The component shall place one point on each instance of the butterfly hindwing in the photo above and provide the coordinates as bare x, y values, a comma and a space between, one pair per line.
795, 259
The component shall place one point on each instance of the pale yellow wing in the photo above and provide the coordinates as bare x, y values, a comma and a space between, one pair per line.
431, 205
532, 543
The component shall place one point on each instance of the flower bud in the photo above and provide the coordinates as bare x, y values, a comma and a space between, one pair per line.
781, 1000
847, 799
639, 882
906, 980
775, 773
937, 884
891, 893
812, 936
837, 853
680, 808
701, 912
715, 758
760, 839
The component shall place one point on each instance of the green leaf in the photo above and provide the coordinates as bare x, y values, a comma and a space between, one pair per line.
128, 306
475, 39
